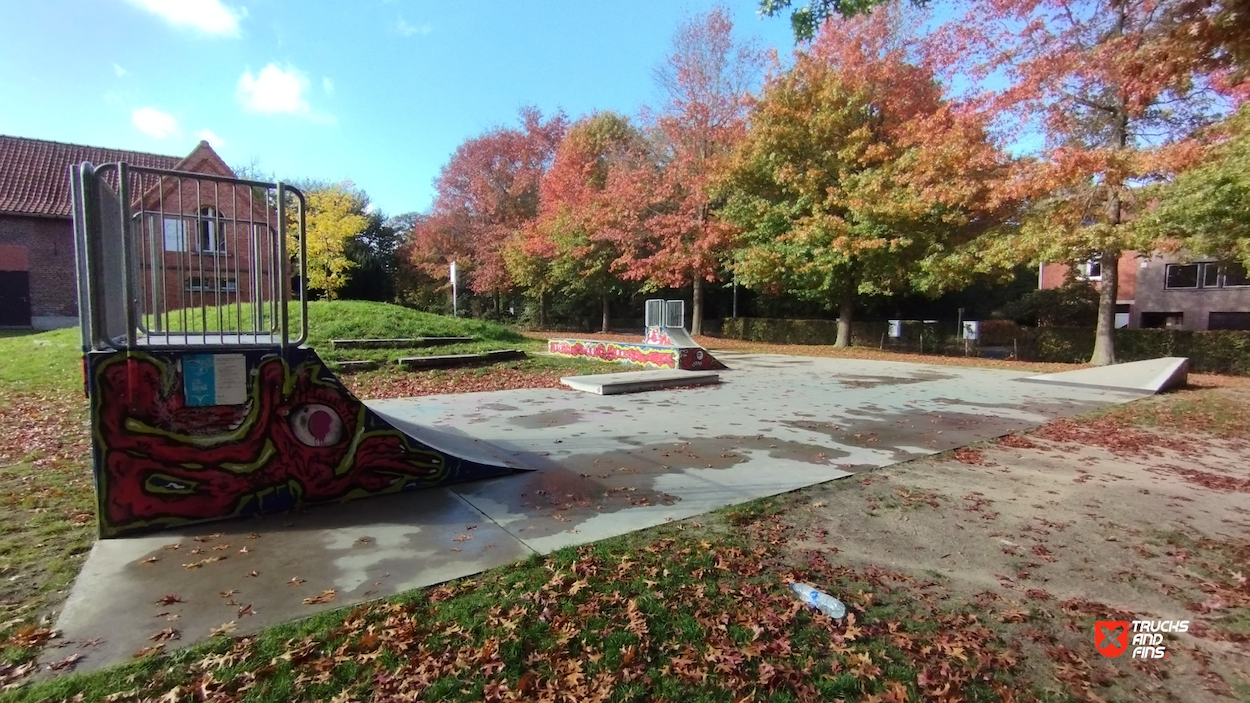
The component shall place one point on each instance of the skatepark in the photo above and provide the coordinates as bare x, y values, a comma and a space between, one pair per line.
275, 484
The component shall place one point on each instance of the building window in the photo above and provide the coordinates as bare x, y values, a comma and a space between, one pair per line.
195, 284
1228, 321
208, 238
175, 234
1091, 270
1157, 320
1205, 274
1181, 276
1235, 276
212, 239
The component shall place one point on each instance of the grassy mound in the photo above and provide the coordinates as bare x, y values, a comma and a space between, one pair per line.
357, 319
38, 362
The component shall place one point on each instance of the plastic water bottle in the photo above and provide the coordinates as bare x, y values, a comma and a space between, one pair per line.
819, 600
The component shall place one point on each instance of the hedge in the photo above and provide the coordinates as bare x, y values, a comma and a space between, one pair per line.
1224, 352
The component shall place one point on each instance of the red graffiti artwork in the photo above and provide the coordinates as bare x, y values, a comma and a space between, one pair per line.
301, 438
639, 354
657, 335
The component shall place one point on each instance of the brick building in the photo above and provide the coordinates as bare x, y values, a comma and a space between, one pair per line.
1158, 291
38, 281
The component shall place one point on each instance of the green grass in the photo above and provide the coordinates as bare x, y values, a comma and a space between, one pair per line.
41, 362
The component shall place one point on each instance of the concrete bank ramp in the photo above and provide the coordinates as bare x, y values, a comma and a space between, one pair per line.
639, 381
1150, 376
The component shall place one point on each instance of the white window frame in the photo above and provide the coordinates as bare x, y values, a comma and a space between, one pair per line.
208, 232
1087, 270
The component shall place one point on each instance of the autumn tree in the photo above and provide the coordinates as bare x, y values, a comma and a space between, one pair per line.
1205, 211
335, 215
857, 173
806, 20
487, 192
667, 231
1117, 97
571, 246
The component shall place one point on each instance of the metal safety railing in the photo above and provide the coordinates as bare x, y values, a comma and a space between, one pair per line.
665, 313
176, 258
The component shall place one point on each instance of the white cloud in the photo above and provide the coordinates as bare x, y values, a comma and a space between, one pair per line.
275, 91
154, 123
121, 72
408, 30
211, 16
327, 85
210, 137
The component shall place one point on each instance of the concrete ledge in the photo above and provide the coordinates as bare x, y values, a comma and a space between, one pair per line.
639, 381
1150, 376
451, 361
397, 343
352, 366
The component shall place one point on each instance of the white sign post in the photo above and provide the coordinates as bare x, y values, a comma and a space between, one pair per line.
454, 313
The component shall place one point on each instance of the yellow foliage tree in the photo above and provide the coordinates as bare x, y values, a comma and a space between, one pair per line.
335, 214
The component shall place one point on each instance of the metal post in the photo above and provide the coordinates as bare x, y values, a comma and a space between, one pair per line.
454, 311
123, 198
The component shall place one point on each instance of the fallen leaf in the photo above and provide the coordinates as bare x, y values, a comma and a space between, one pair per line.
223, 629
324, 597
168, 633
149, 651
67, 663
170, 599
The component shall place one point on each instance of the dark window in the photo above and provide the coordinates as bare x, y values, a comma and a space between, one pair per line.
1235, 275
1181, 276
1210, 275
1093, 269
1151, 320
1228, 321
220, 285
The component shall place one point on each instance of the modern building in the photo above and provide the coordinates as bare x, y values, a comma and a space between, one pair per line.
1163, 292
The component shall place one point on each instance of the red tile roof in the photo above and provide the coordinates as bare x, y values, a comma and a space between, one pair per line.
34, 174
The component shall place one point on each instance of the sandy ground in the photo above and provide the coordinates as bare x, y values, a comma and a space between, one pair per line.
1057, 534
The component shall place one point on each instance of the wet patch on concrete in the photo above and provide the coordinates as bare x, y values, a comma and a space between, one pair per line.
554, 418
855, 381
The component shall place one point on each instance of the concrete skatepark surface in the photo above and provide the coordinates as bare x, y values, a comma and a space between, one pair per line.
600, 466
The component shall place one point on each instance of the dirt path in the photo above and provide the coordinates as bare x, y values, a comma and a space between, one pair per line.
1052, 534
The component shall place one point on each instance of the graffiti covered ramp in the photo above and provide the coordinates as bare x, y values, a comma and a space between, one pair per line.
184, 436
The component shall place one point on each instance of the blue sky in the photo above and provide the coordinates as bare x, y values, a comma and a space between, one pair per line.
378, 91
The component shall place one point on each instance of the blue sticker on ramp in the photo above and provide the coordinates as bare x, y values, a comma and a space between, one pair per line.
199, 380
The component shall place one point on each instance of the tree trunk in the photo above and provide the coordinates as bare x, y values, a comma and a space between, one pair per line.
607, 314
1104, 341
846, 310
696, 308
542, 311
